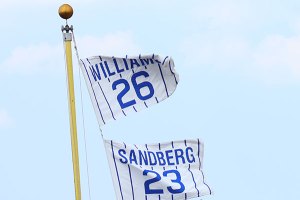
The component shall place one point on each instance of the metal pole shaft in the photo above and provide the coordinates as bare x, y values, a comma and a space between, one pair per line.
72, 110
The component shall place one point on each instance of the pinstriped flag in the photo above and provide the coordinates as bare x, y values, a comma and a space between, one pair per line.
119, 86
163, 171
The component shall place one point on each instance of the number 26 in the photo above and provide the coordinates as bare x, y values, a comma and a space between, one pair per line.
137, 87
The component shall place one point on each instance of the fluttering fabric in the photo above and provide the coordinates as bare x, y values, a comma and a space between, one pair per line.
119, 86
162, 171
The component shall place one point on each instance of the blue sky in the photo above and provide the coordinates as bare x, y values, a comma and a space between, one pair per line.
239, 70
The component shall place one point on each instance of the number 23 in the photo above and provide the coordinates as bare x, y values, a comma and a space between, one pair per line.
158, 178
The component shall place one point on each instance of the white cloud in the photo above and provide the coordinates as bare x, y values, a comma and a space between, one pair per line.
279, 56
17, 3
5, 119
29, 3
50, 57
274, 60
240, 37
117, 44
210, 51
33, 58
221, 13
294, 24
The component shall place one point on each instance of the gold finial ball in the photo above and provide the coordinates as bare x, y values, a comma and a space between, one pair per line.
65, 11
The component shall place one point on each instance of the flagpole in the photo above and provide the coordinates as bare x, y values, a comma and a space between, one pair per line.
66, 12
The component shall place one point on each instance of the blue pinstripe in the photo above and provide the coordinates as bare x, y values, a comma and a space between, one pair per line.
145, 104
173, 73
112, 148
134, 109
164, 60
131, 182
205, 183
193, 179
162, 76
93, 92
199, 154
200, 167
107, 102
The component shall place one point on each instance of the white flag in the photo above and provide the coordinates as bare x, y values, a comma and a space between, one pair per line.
163, 171
118, 86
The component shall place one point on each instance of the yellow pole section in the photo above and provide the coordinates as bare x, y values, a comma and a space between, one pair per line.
73, 128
